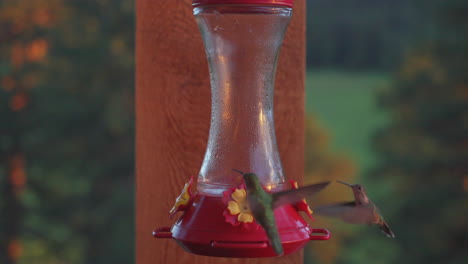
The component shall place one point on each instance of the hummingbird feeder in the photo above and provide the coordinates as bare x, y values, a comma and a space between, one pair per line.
242, 39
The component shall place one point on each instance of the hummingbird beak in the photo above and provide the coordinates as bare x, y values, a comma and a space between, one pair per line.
345, 183
238, 171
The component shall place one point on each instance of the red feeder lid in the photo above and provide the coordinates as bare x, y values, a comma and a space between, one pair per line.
287, 3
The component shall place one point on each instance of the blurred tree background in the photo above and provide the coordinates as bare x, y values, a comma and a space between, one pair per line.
386, 103
394, 98
66, 131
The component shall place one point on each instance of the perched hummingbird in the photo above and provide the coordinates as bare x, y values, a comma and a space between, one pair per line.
262, 204
361, 211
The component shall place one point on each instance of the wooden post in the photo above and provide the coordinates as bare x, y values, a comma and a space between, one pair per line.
173, 116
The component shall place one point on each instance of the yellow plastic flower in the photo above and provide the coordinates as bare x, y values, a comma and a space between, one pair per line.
240, 206
183, 200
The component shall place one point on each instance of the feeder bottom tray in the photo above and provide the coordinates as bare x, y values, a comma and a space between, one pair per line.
203, 230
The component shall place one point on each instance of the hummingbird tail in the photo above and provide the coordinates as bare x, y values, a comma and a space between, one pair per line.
386, 229
275, 241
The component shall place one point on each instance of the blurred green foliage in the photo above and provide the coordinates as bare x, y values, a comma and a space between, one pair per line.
360, 35
344, 103
424, 149
66, 132
419, 135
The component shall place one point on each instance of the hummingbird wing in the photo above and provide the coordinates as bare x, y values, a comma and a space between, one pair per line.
295, 195
348, 212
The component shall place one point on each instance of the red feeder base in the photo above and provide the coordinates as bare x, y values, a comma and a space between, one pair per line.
203, 230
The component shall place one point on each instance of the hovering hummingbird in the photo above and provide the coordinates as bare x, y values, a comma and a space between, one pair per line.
361, 211
262, 204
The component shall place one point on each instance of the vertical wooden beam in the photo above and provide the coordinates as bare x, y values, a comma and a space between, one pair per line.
173, 115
